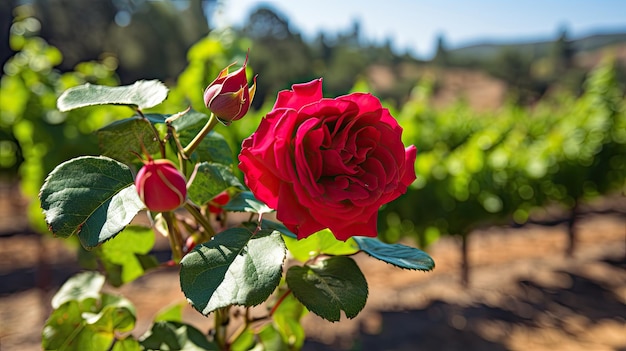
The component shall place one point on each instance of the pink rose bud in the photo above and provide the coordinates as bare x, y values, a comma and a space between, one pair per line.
161, 186
228, 96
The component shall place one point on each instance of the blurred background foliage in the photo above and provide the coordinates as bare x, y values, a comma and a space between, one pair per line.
547, 126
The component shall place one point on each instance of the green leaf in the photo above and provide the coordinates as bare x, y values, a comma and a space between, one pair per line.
213, 148
175, 336
120, 139
322, 242
66, 329
237, 267
122, 255
191, 121
93, 197
210, 180
267, 224
244, 342
82, 286
143, 94
173, 313
329, 287
127, 344
396, 254
287, 318
116, 315
85, 319
246, 202
270, 339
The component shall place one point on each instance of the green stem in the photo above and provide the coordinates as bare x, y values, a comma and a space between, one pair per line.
173, 236
202, 220
221, 324
242, 328
198, 138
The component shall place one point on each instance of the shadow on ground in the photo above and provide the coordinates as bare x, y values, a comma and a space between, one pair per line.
579, 304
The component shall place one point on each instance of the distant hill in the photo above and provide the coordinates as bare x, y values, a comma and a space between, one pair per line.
487, 50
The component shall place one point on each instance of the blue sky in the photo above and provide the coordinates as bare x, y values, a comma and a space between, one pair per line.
414, 24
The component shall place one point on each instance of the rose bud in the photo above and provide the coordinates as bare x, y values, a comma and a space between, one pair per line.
215, 205
161, 186
228, 96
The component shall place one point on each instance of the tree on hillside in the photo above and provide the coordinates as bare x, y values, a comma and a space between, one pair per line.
441, 55
149, 38
562, 54
515, 69
281, 57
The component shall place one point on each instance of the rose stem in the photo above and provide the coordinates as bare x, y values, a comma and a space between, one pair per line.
280, 300
174, 236
198, 138
208, 229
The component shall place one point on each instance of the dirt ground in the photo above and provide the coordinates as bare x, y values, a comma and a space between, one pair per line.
524, 294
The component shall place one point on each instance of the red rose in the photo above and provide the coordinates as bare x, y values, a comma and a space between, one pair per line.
327, 163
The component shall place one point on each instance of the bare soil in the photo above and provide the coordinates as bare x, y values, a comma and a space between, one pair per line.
524, 293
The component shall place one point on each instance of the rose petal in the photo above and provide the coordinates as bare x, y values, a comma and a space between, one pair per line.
300, 95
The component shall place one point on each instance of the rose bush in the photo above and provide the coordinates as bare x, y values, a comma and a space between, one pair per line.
327, 163
324, 163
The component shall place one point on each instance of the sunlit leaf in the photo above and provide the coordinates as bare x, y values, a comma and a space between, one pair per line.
396, 254
82, 286
322, 242
287, 318
173, 313
93, 197
84, 319
126, 344
143, 94
237, 267
123, 255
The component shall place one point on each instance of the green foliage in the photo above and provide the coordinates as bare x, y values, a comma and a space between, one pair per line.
210, 180
125, 257
84, 319
213, 147
320, 243
329, 286
237, 267
72, 204
246, 202
123, 140
143, 94
396, 254
29, 88
168, 335
287, 321
475, 169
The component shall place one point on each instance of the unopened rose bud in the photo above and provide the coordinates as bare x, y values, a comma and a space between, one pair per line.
228, 96
161, 186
